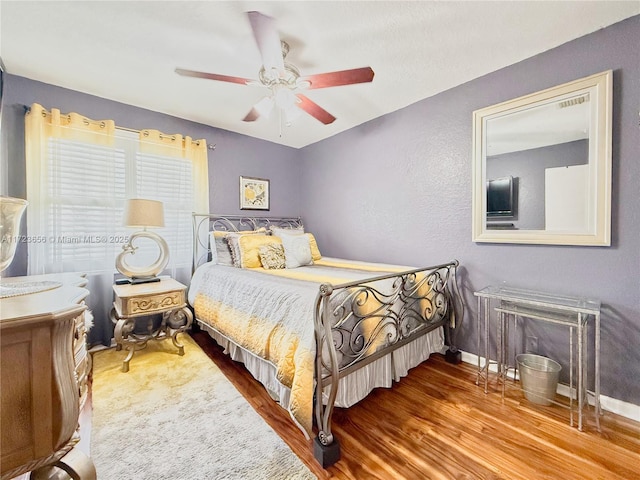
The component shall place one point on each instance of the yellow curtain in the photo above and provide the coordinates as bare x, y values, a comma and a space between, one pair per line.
40, 126
175, 145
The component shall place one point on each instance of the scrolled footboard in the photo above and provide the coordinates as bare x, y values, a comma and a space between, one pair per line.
357, 323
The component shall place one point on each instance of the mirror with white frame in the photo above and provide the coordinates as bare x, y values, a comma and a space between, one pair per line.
542, 166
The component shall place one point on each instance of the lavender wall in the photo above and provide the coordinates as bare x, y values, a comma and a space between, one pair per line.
398, 189
233, 156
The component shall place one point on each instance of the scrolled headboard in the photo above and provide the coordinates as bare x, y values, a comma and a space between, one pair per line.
203, 223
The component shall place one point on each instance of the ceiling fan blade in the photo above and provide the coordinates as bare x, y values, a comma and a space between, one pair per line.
268, 40
212, 76
343, 77
315, 110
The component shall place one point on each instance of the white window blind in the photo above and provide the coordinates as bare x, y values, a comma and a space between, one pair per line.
87, 186
169, 179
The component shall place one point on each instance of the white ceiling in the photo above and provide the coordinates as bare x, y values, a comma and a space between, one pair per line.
127, 51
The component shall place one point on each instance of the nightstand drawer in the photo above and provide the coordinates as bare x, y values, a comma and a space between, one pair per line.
147, 299
150, 304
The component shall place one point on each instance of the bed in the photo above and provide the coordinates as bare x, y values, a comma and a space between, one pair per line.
321, 332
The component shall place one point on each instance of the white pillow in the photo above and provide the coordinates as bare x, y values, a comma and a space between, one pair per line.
278, 230
297, 250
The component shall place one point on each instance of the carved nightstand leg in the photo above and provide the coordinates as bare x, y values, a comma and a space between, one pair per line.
125, 363
124, 327
117, 332
179, 321
180, 347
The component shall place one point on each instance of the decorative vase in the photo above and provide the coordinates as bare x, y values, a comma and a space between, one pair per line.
11, 210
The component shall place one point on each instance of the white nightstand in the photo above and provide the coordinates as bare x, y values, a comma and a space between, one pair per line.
166, 297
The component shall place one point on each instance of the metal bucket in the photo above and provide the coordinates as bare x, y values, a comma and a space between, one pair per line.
539, 377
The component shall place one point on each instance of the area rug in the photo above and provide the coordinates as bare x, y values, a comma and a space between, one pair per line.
173, 417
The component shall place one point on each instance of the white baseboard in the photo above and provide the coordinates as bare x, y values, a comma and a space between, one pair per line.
624, 409
613, 405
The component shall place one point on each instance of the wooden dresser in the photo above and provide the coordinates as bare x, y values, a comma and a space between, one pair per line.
44, 368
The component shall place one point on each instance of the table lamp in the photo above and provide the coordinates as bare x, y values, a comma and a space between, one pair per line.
142, 213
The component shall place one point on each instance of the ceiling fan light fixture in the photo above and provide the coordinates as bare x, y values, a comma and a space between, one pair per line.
291, 114
286, 101
284, 97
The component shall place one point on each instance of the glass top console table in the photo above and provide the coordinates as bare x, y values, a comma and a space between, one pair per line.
573, 312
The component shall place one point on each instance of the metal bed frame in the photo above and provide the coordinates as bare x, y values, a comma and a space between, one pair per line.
420, 301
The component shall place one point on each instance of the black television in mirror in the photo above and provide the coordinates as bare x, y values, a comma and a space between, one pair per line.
500, 197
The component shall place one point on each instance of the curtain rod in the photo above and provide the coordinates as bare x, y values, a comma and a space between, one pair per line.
210, 146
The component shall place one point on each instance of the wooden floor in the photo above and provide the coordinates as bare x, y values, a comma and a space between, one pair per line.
437, 424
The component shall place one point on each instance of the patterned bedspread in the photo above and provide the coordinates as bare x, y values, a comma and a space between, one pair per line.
270, 313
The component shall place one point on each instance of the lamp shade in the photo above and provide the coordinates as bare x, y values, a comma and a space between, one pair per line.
143, 213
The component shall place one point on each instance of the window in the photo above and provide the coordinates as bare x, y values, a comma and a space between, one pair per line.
86, 189
79, 174
83, 202
170, 180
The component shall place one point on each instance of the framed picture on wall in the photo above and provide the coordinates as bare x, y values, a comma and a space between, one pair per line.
254, 193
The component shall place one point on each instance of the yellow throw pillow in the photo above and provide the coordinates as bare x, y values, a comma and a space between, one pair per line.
231, 240
249, 248
315, 252
220, 248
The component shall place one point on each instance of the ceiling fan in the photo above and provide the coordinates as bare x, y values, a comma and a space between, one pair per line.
283, 79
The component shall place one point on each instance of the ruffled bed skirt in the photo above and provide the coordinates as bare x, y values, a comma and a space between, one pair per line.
353, 387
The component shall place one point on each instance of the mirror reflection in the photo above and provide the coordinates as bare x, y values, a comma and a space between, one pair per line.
530, 157
539, 164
